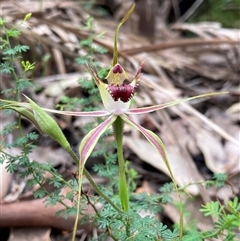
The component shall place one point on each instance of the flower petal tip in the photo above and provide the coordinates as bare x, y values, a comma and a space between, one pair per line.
137, 75
117, 68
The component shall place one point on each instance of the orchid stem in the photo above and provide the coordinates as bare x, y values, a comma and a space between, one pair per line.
93, 184
123, 188
83, 171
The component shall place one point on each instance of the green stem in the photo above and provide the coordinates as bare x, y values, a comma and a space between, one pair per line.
123, 187
45, 190
99, 192
180, 201
82, 171
124, 19
11, 61
93, 184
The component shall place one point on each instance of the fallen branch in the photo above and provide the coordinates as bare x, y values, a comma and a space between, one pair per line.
34, 213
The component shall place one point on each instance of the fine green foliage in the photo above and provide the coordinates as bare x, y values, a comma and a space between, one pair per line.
89, 45
92, 97
227, 219
212, 208
10, 55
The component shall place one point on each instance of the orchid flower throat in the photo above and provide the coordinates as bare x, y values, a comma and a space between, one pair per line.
118, 86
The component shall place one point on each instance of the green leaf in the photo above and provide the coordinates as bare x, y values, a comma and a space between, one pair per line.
12, 167
220, 179
101, 50
81, 60
56, 182
230, 237
21, 141
3, 157
21, 48
9, 52
13, 32
39, 193
220, 176
167, 188
70, 195
234, 206
32, 136
85, 42
8, 128
23, 84
5, 68
193, 235
2, 21
169, 235
165, 199
212, 208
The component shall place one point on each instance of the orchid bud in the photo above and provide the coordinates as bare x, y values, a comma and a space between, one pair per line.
48, 125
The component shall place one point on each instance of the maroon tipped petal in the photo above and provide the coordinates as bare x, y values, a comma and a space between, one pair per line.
117, 69
123, 92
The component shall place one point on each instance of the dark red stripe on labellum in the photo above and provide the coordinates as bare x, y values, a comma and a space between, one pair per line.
123, 92
117, 69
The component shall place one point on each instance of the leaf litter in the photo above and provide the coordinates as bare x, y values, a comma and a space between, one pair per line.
201, 137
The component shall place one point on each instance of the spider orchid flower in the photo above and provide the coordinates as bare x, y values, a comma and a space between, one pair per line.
116, 94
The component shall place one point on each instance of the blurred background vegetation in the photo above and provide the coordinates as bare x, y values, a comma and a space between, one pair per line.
226, 12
